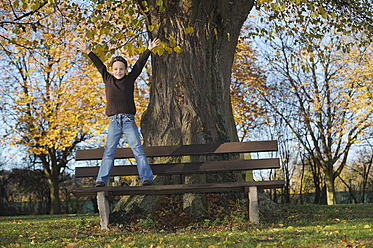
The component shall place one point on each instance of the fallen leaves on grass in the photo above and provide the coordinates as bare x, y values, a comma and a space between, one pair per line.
72, 245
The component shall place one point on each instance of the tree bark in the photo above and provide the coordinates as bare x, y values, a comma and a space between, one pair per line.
55, 196
52, 173
190, 95
190, 92
52, 164
316, 181
329, 183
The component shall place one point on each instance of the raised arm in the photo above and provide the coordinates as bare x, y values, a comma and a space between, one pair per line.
140, 63
83, 47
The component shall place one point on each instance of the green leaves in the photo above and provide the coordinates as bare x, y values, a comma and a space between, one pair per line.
172, 41
323, 12
145, 5
35, 5
189, 30
159, 3
16, 4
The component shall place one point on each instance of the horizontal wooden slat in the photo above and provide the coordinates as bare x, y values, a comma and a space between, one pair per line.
176, 188
184, 150
186, 168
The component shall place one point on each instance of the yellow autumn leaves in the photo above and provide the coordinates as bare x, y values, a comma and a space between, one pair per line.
172, 45
59, 99
55, 97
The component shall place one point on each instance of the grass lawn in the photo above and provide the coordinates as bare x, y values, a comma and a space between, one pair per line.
297, 226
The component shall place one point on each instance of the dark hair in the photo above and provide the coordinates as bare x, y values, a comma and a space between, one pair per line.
121, 59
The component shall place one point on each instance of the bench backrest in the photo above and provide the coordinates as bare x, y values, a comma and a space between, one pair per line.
183, 150
186, 150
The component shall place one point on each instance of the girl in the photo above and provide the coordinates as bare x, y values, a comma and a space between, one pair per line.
120, 108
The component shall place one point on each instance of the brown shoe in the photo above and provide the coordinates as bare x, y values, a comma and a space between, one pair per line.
100, 184
147, 182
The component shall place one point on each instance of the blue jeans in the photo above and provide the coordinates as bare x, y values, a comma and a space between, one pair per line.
123, 124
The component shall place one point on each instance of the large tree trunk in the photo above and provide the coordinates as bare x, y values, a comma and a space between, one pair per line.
55, 196
190, 92
330, 190
52, 173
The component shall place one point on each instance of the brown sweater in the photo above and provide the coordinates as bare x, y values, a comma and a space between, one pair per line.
119, 93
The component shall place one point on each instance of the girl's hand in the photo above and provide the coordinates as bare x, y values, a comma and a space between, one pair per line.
83, 47
153, 43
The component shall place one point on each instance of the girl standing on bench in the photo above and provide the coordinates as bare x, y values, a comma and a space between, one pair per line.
119, 90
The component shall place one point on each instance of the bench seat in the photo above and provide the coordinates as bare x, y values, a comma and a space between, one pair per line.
176, 188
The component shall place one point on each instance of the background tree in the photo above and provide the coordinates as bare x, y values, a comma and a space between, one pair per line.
248, 112
360, 172
313, 178
50, 104
29, 186
16, 14
326, 111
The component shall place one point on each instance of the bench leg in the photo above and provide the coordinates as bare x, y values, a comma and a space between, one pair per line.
253, 205
103, 208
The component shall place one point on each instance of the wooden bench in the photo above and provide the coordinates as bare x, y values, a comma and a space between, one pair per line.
234, 164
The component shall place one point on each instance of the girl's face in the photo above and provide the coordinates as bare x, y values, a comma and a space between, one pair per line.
119, 70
